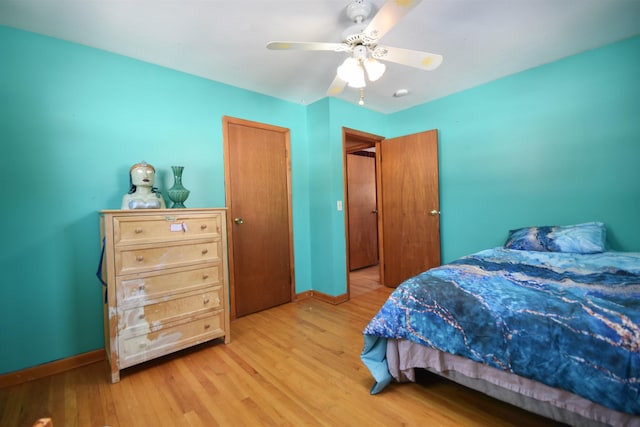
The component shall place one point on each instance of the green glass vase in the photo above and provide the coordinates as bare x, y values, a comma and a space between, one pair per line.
177, 193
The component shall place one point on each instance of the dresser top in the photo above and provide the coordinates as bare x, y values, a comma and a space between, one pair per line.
180, 211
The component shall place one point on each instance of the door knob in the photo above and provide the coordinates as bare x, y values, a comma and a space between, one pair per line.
238, 220
375, 211
434, 212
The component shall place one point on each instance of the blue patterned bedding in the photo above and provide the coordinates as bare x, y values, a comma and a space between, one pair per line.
568, 320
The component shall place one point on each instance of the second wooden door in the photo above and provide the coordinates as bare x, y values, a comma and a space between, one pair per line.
410, 206
363, 209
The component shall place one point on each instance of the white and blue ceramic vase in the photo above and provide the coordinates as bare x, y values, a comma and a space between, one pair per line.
177, 193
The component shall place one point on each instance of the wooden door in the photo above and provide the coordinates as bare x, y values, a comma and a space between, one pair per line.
410, 213
362, 208
257, 174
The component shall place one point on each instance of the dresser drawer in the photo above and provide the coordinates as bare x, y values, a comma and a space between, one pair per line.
135, 259
140, 320
142, 288
158, 228
136, 349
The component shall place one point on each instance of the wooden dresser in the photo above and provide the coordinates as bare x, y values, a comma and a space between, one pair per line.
167, 282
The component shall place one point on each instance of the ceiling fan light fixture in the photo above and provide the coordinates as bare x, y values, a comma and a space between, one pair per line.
357, 79
347, 69
352, 72
375, 69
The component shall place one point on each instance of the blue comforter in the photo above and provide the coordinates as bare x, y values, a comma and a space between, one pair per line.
567, 320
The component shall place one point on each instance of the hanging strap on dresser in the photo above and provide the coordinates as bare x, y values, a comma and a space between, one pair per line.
99, 272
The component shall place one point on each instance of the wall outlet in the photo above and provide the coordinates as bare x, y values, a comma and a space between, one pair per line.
339, 205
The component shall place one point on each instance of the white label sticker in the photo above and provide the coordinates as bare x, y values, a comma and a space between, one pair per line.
175, 227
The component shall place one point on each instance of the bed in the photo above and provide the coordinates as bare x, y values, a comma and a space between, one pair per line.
549, 322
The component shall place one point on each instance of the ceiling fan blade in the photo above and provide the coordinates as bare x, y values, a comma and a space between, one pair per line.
337, 86
334, 47
389, 14
412, 58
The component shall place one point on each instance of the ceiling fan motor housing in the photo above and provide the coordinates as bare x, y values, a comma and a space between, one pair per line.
358, 10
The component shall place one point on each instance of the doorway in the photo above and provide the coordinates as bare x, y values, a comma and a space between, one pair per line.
361, 208
258, 199
407, 198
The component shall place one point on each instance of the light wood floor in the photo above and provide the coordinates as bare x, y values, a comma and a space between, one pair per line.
293, 365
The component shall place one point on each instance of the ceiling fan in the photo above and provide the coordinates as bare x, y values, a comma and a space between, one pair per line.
361, 43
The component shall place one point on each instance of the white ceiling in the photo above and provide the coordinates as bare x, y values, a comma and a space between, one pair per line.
481, 40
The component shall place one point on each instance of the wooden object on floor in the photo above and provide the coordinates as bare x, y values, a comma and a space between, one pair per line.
167, 282
297, 364
43, 422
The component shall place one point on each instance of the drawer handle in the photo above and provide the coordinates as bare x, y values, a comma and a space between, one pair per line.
141, 288
205, 276
203, 227
139, 258
205, 251
141, 316
207, 326
205, 301
138, 230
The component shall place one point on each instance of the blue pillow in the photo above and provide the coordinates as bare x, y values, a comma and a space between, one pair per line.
586, 238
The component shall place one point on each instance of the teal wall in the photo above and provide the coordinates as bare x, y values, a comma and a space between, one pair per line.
328, 245
73, 120
558, 144
551, 145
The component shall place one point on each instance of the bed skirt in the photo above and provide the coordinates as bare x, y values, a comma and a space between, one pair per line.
403, 356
